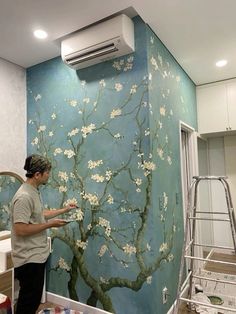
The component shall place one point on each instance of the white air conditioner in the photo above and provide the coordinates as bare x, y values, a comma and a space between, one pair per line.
103, 41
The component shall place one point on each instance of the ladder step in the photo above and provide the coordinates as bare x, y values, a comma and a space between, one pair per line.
209, 260
213, 213
208, 305
216, 280
213, 246
209, 177
213, 219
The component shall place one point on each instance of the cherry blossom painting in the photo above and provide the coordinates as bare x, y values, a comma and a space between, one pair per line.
111, 133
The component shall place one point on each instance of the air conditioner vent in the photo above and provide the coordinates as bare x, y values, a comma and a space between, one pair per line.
92, 54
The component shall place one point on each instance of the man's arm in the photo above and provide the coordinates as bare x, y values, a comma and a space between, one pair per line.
55, 212
23, 229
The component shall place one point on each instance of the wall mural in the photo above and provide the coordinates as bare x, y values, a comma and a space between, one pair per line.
107, 144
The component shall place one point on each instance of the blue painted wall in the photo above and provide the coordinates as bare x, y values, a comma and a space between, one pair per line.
111, 132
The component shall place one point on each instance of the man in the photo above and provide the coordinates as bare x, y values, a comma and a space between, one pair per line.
30, 247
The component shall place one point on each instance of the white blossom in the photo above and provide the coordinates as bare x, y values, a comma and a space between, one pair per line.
159, 57
165, 200
73, 103
89, 226
105, 224
154, 63
94, 164
41, 128
129, 249
57, 151
118, 87
92, 198
116, 65
163, 247
102, 250
53, 116
86, 100
138, 181
35, 141
81, 244
108, 175
117, 135
110, 199
170, 257
115, 113
87, 130
63, 176
50, 133
133, 89
149, 280
149, 165
78, 214
63, 265
62, 188
102, 83
96, 177
69, 153
160, 153
73, 132
162, 111
38, 97
70, 201
130, 59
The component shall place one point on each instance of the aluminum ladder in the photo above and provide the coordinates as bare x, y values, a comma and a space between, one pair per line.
189, 246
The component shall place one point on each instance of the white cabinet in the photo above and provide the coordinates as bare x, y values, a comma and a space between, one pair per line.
217, 107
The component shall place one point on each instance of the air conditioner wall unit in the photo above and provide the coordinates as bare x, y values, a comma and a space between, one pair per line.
104, 41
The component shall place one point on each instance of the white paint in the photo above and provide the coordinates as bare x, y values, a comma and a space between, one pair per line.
13, 117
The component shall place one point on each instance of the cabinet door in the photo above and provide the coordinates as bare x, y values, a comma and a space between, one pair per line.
212, 109
231, 93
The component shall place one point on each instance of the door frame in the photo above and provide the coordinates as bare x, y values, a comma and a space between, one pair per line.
193, 170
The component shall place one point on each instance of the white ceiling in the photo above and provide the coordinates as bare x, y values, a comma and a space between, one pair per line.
196, 32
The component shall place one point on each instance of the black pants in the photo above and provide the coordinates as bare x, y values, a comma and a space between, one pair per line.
31, 279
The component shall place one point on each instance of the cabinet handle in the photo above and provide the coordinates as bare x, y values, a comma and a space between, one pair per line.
227, 128
230, 128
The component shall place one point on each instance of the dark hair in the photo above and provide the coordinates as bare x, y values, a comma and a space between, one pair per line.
36, 163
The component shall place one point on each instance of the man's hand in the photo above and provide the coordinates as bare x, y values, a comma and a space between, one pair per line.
69, 207
55, 223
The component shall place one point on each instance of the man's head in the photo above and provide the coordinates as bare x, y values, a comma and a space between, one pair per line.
37, 167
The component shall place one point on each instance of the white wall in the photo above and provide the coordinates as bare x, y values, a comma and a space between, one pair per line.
219, 157
207, 231
13, 117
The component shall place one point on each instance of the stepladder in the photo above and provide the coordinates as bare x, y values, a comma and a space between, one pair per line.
192, 274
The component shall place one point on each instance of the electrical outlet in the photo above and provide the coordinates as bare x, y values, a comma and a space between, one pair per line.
165, 294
